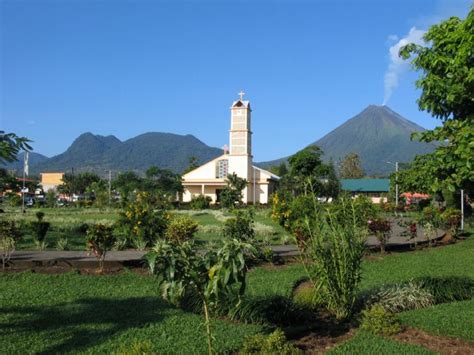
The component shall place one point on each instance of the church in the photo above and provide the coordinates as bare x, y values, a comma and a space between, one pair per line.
210, 178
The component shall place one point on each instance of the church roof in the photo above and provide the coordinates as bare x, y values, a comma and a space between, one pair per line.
272, 176
241, 103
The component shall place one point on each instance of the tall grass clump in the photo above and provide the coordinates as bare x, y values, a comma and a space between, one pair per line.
332, 250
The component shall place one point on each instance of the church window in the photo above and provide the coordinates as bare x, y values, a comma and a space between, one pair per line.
222, 169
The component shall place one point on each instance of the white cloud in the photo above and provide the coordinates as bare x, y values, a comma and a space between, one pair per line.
397, 65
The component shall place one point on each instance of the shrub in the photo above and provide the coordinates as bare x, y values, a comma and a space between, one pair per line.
381, 228
399, 297
240, 227
100, 240
62, 244
359, 210
9, 236
333, 256
430, 215
447, 289
137, 348
39, 229
144, 220
451, 218
200, 202
181, 229
274, 343
304, 295
378, 321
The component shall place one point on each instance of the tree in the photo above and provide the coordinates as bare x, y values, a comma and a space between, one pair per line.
447, 92
280, 170
11, 145
232, 192
126, 183
162, 180
416, 177
77, 184
351, 167
193, 164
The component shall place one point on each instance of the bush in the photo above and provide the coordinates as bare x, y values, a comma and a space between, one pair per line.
378, 321
9, 236
399, 297
333, 255
304, 296
181, 229
381, 228
39, 229
432, 216
144, 220
100, 240
451, 218
200, 202
359, 210
447, 289
275, 343
240, 227
137, 348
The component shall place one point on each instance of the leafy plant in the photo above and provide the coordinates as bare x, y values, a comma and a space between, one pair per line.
181, 229
232, 193
100, 240
378, 321
62, 244
213, 278
381, 228
241, 226
9, 236
200, 202
39, 229
274, 343
451, 218
447, 289
144, 220
332, 256
399, 297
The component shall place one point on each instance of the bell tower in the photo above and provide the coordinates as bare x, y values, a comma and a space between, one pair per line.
240, 133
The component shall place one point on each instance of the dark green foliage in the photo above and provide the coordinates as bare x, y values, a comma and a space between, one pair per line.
10, 234
447, 289
77, 183
11, 145
232, 193
240, 227
359, 210
200, 202
39, 229
274, 343
350, 167
377, 320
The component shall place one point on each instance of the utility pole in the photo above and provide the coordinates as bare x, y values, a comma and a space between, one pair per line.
25, 162
396, 183
110, 186
462, 210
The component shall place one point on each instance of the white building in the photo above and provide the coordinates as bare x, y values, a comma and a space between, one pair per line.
209, 179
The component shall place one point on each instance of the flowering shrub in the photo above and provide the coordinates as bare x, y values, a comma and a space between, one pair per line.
181, 229
381, 228
144, 220
280, 210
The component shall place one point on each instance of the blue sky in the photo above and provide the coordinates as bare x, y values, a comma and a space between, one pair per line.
129, 67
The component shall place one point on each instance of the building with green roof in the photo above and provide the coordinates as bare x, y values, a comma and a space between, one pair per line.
375, 189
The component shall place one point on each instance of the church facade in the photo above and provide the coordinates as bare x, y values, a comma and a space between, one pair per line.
210, 178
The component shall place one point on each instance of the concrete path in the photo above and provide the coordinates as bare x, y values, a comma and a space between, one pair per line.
134, 257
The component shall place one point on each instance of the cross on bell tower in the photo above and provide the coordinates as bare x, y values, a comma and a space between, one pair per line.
241, 94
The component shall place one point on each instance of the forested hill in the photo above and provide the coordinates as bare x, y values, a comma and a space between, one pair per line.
97, 153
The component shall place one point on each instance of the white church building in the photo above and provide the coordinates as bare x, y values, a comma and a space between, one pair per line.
210, 178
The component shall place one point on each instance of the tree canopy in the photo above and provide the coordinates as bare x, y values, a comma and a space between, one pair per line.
447, 92
11, 145
351, 167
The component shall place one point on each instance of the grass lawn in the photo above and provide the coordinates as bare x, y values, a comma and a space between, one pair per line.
67, 222
96, 314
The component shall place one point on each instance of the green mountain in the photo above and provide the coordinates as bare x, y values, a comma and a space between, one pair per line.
98, 154
33, 159
377, 134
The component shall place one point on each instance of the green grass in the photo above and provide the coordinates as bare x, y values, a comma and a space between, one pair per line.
366, 343
451, 319
65, 222
88, 314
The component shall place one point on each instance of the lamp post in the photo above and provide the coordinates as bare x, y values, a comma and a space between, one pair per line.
396, 180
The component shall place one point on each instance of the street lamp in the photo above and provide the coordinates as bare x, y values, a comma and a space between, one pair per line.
396, 180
